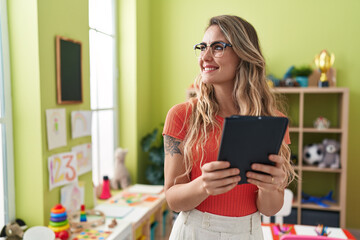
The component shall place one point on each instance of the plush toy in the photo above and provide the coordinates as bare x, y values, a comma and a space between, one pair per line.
331, 154
14, 230
313, 153
121, 177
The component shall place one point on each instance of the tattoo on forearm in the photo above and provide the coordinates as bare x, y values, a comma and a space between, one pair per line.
171, 145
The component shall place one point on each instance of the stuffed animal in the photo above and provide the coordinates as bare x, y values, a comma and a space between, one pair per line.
313, 153
121, 177
331, 154
14, 230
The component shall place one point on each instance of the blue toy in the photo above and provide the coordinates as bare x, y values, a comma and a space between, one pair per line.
288, 72
306, 198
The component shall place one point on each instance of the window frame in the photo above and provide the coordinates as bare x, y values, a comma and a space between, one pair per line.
8, 153
115, 93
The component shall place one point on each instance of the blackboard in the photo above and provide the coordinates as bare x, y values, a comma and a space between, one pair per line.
68, 70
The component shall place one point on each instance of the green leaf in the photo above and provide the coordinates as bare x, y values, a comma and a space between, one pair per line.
156, 155
155, 175
148, 140
304, 71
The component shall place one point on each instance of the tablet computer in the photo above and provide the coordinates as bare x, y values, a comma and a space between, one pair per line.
250, 139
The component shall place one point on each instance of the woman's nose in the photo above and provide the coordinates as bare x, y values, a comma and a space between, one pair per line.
207, 54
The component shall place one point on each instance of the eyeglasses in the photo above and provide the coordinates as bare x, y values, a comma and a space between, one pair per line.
216, 49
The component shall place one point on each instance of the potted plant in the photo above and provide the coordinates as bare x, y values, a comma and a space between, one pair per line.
153, 144
301, 74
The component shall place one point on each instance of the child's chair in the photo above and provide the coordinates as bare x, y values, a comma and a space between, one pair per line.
299, 237
284, 211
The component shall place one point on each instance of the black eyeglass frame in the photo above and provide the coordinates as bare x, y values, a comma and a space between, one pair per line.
212, 44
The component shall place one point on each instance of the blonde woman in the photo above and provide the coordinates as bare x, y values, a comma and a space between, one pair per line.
231, 82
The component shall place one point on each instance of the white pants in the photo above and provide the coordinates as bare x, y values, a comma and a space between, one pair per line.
196, 225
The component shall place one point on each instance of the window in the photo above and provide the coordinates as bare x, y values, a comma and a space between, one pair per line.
7, 189
103, 86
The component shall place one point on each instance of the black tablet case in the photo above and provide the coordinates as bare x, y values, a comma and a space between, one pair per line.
249, 139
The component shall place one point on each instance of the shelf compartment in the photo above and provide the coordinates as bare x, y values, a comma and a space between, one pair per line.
315, 130
317, 169
332, 206
315, 217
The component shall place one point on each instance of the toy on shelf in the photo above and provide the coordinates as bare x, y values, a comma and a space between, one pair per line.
306, 198
321, 123
331, 154
191, 92
324, 155
121, 174
14, 230
105, 193
58, 222
82, 214
321, 230
313, 154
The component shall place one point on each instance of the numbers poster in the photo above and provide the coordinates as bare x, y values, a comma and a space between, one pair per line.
62, 169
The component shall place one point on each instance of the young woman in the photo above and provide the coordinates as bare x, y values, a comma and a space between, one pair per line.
231, 82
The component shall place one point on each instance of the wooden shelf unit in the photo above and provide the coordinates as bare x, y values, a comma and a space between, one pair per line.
303, 129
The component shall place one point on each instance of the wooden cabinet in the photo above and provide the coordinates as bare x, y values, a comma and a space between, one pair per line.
304, 106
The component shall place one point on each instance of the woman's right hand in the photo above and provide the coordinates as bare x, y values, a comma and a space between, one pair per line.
218, 178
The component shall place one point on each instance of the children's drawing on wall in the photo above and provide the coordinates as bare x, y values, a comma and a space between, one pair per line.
80, 124
62, 169
83, 157
56, 128
72, 196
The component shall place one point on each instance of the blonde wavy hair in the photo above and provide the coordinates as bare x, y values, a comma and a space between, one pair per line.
251, 95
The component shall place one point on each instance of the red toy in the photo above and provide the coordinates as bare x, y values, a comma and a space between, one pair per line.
105, 194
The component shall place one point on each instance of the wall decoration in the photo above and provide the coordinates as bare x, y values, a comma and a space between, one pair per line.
62, 169
80, 123
83, 157
72, 196
68, 70
56, 128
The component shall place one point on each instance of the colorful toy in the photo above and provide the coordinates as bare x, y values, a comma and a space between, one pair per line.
313, 154
321, 123
58, 222
92, 234
306, 198
331, 154
77, 226
105, 194
321, 230
280, 230
121, 174
82, 214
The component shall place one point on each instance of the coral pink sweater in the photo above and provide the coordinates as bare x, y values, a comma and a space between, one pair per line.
238, 202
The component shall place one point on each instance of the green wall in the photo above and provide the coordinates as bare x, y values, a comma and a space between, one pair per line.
291, 32
156, 66
33, 26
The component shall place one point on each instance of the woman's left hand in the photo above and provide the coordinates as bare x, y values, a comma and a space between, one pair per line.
276, 178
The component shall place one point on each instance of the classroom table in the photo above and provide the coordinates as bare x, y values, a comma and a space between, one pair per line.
304, 230
141, 211
122, 231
